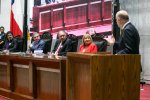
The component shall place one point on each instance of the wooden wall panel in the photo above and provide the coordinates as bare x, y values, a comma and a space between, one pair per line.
31, 78
103, 77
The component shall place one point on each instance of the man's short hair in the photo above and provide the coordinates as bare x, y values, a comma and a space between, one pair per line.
2, 27
35, 34
63, 32
123, 15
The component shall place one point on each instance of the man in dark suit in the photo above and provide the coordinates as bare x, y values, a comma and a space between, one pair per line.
10, 43
37, 2
2, 37
129, 40
62, 45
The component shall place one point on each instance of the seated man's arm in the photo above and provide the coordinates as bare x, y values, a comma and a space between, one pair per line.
14, 46
55, 46
41, 45
68, 48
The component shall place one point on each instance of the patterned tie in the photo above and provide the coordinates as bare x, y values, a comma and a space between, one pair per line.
122, 32
56, 53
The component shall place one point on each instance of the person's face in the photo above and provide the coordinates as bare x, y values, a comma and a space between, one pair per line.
62, 36
9, 36
87, 40
1, 29
36, 38
118, 20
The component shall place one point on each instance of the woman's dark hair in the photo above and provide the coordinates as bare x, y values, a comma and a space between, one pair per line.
9, 32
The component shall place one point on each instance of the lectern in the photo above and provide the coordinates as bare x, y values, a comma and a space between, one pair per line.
102, 77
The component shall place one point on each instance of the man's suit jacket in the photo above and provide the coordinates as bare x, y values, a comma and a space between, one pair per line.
128, 42
38, 45
10, 45
66, 47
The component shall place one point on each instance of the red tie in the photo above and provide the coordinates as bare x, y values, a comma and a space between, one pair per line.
56, 53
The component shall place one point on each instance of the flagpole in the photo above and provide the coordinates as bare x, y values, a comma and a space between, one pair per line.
115, 28
25, 26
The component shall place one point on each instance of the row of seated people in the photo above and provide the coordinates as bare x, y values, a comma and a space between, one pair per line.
9, 43
69, 43
65, 43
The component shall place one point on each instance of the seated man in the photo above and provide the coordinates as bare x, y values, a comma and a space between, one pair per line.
37, 44
62, 45
10, 43
2, 37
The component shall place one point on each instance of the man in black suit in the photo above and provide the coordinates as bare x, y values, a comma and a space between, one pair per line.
10, 43
62, 45
37, 2
2, 36
129, 40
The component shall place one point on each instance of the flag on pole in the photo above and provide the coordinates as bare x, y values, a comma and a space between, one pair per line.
16, 17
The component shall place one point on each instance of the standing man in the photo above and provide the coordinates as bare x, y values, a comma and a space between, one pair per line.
62, 45
2, 37
129, 40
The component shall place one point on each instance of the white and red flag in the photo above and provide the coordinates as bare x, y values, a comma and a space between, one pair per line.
16, 17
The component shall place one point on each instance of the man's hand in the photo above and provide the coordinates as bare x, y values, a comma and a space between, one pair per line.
110, 39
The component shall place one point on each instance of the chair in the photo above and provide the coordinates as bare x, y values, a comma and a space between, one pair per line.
74, 42
19, 44
100, 42
47, 37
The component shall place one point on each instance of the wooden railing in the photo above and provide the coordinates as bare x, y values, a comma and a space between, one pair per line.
71, 15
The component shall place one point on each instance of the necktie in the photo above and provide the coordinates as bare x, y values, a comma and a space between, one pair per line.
56, 53
122, 32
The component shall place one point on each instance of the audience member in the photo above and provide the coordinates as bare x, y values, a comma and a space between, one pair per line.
62, 45
37, 44
91, 31
10, 43
2, 37
87, 45
129, 40
53, 1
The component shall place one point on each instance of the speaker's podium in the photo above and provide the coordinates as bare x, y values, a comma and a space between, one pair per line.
102, 77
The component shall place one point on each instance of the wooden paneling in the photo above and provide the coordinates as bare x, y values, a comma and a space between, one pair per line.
3, 79
30, 78
103, 77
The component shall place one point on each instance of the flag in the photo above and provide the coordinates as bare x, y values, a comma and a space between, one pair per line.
16, 17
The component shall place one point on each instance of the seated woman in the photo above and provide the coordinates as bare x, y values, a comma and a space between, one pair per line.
87, 45
10, 43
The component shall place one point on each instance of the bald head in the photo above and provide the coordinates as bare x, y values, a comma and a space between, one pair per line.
62, 35
121, 18
122, 14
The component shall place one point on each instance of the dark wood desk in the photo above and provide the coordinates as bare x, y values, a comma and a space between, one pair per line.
102, 77
28, 78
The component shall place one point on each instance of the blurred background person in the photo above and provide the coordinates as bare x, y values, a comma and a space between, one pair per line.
91, 31
37, 44
62, 45
2, 37
10, 43
87, 44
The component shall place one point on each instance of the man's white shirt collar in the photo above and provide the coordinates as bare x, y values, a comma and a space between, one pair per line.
125, 24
